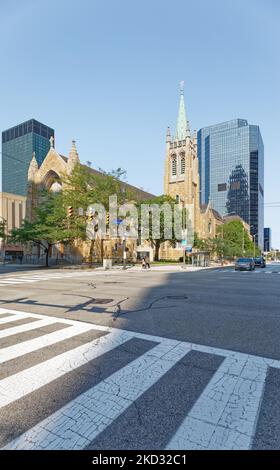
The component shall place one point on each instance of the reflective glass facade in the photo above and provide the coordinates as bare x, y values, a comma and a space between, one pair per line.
231, 164
18, 144
267, 239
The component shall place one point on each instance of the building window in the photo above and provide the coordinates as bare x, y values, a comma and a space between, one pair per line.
222, 187
173, 165
183, 163
235, 185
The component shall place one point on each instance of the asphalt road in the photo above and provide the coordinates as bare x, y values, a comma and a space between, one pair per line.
190, 359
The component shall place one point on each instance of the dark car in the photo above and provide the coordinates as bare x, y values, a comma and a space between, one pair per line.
260, 261
244, 264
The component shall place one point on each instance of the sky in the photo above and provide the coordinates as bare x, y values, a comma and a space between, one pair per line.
106, 73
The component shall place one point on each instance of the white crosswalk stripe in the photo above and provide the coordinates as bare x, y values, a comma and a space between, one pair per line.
22, 279
224, 414
256, 271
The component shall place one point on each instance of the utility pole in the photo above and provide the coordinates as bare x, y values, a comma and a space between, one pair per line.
222, 260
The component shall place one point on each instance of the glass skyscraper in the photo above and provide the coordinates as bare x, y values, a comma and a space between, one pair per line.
267, 239
231, 165
18, 144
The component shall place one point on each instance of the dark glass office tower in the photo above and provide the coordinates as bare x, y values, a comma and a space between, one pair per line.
18, 144
267, 239
231, 164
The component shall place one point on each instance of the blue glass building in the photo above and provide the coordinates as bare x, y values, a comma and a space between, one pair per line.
267, 239
231, 165
18, 144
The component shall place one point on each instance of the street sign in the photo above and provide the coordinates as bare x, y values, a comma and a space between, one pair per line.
117, 221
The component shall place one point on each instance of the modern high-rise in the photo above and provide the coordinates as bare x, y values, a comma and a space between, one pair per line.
267, 239
231, 165
18, 145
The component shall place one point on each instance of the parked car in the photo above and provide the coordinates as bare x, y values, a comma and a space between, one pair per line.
244, 264
260, 261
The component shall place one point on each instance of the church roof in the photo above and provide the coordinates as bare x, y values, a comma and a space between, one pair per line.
140, 192
204, 207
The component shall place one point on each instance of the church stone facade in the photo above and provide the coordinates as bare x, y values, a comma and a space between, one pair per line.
181, 180
49, 176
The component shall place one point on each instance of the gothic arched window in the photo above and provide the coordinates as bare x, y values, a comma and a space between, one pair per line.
173, 165
183, 164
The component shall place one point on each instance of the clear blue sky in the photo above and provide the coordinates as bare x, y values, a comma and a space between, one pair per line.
107, 72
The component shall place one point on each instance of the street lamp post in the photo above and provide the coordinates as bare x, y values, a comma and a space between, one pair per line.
254, 240
124, 252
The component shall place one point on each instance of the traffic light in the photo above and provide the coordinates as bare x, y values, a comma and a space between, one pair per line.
90, 217
107, 218
70, 211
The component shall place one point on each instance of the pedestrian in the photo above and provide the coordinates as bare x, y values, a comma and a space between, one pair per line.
143, 263
147, 261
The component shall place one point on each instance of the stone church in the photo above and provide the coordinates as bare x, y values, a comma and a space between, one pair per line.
49, 176
181, 181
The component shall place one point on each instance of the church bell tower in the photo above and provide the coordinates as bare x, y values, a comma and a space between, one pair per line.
181, 178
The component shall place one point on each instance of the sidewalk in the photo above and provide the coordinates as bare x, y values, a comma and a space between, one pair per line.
162, 268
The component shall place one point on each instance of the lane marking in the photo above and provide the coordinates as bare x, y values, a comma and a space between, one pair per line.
26, 327
20, 384
29, 346
226, 413
76, 424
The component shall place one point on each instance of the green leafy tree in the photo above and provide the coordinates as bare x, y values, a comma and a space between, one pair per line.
156, 242
50, 225
2, 229
202, 244
233, 241
85, 187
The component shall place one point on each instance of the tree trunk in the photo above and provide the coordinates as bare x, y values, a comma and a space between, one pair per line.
157, 247
91, 252
47, 257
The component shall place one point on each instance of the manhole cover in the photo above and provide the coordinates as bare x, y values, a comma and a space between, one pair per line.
176, 297
101, 301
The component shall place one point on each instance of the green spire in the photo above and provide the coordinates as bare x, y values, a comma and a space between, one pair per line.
182, 128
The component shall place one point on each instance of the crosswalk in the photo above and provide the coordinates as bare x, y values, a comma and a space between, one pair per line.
256, 271
32, 278
66, 384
